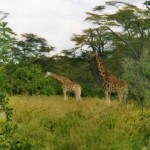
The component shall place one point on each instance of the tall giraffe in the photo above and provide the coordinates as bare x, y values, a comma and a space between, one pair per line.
67, 85
111, 84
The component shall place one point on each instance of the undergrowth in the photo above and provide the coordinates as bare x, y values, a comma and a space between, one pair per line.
50, 123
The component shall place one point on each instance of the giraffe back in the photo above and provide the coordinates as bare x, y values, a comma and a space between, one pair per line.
71, 86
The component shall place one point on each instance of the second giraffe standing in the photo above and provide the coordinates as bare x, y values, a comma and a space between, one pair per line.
111, 84
67, 85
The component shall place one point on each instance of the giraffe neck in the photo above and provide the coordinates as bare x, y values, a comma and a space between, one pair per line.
101, 68
61, 79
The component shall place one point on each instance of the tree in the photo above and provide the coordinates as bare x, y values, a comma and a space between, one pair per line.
123, 37
7, 41
4, 15
137, 73
129, 24
31, 48
93, 39
147, 4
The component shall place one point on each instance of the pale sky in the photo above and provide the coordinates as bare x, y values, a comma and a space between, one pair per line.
54, 20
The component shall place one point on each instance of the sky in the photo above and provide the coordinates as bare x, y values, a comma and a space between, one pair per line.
54, 20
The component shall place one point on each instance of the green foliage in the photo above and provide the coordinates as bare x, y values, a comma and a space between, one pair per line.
92, 92
20, 145
20, 79
31, 49
5, 87
63, 125
18, 76
17, 79
8, 128
86, 125
111, 134
7, 42
69, 122
30, 80
137, 73
76, 69
49, 124
147, 4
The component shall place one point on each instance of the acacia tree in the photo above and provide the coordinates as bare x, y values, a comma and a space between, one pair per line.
147, 4
129, 24
124, 32
93, 39
126, 29
31, 48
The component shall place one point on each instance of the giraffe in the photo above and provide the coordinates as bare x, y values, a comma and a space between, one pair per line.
111, 84
67, 85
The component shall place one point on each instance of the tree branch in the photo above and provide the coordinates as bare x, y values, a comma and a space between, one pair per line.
136, 55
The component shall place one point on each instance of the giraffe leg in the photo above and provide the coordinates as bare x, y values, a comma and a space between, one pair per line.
77, 95
122, 93
80, 97
120, 96
107, 97
65, 96
125, 94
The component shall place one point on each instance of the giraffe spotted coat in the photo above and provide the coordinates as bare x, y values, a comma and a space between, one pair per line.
67, 85
111, 84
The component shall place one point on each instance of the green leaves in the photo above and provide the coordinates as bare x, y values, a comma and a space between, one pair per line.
7, 42
8, 127
99, 8
137, 74
128, 24
31, 48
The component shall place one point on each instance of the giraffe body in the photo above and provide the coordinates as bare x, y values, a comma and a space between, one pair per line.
67, 85
111, 84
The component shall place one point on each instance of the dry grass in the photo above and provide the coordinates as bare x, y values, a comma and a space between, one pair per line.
91, 124
54, 105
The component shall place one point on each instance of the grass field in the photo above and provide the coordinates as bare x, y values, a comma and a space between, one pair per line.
50, 123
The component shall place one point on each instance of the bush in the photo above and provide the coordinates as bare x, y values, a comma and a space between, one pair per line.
5, 87
30, 80
92, 92
137, 73
8, 127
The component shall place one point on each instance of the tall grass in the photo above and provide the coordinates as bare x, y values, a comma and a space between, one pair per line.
50, 123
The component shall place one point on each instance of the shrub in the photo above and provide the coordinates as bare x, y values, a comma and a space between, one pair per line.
8, 127
5, 87
30, 80
92, 92
137, 73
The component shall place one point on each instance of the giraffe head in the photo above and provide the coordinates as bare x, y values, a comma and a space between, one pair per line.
47, 74
92, 54
95, 54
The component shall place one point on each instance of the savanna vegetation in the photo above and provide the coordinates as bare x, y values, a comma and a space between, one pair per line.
36, 117
50, 123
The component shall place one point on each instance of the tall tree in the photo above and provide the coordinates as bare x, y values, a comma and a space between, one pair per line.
147, 4
123, 32
129, 24
31, 48
95, 39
